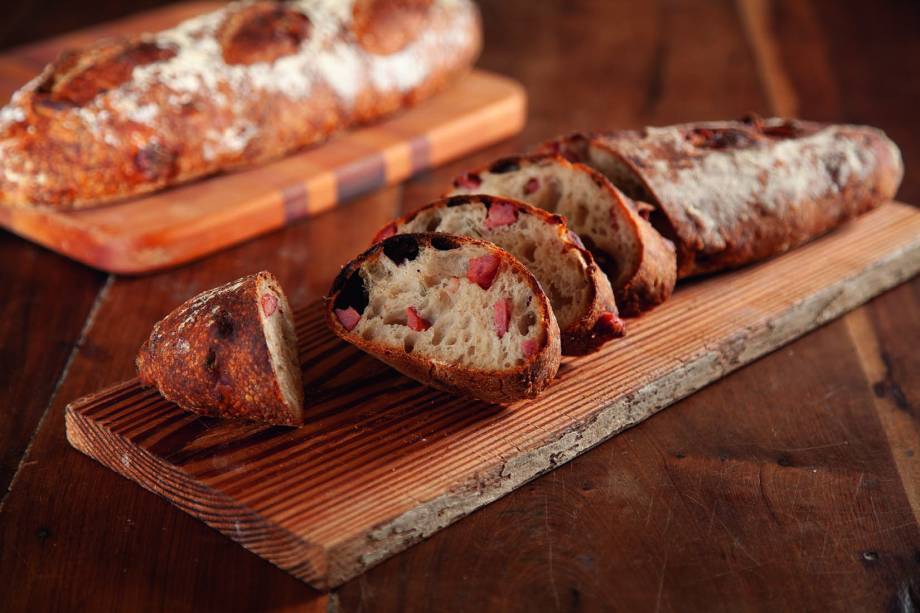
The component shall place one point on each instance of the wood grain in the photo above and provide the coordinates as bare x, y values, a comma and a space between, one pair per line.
174, 226
383, 462
31, 277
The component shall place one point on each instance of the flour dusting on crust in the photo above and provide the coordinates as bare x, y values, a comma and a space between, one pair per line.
735, 192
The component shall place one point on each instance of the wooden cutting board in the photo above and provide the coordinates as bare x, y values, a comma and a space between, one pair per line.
187, 222
383, 462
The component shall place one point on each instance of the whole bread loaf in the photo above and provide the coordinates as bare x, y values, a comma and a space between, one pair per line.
732, 192
242, 85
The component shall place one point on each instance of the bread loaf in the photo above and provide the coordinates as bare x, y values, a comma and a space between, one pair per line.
732, 192
639, 262
579, 292
233, 88
453, 312
229, 352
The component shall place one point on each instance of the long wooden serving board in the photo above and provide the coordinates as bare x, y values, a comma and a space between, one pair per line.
383, 462
190, 221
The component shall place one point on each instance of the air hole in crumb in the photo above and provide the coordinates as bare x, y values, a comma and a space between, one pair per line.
550, 196
395, 318
376, 270
563, 299
529, 251
553, 294
431, 281
526, 322
433, 224
409, 343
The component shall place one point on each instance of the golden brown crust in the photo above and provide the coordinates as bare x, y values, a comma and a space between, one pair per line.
235, 88
654, 281
210, 356
496, 386
599, 322
730, 193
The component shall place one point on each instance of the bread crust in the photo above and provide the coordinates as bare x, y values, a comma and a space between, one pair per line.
494, 386
210, 356
655, 276
733, 192
599, 322
234, 88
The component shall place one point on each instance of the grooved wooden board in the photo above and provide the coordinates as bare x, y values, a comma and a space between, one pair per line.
383, 462
179, 224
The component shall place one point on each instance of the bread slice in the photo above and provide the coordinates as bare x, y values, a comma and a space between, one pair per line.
733, 192
640, 262
579, 292
454, 312
229, 352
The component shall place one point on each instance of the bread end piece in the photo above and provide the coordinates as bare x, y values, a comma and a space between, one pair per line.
229, 352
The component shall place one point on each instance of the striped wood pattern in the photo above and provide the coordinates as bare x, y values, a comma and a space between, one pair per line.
167, 228
383, 462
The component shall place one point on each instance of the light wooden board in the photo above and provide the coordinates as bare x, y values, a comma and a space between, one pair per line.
189, 221
383, 462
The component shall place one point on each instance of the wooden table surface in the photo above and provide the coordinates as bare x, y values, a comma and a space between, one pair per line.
792, 484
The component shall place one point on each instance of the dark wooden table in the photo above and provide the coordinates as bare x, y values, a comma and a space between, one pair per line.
793, 484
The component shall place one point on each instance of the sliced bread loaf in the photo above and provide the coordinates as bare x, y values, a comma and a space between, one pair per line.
640, 262
733, 192
453, 312
229, 352
579, 292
